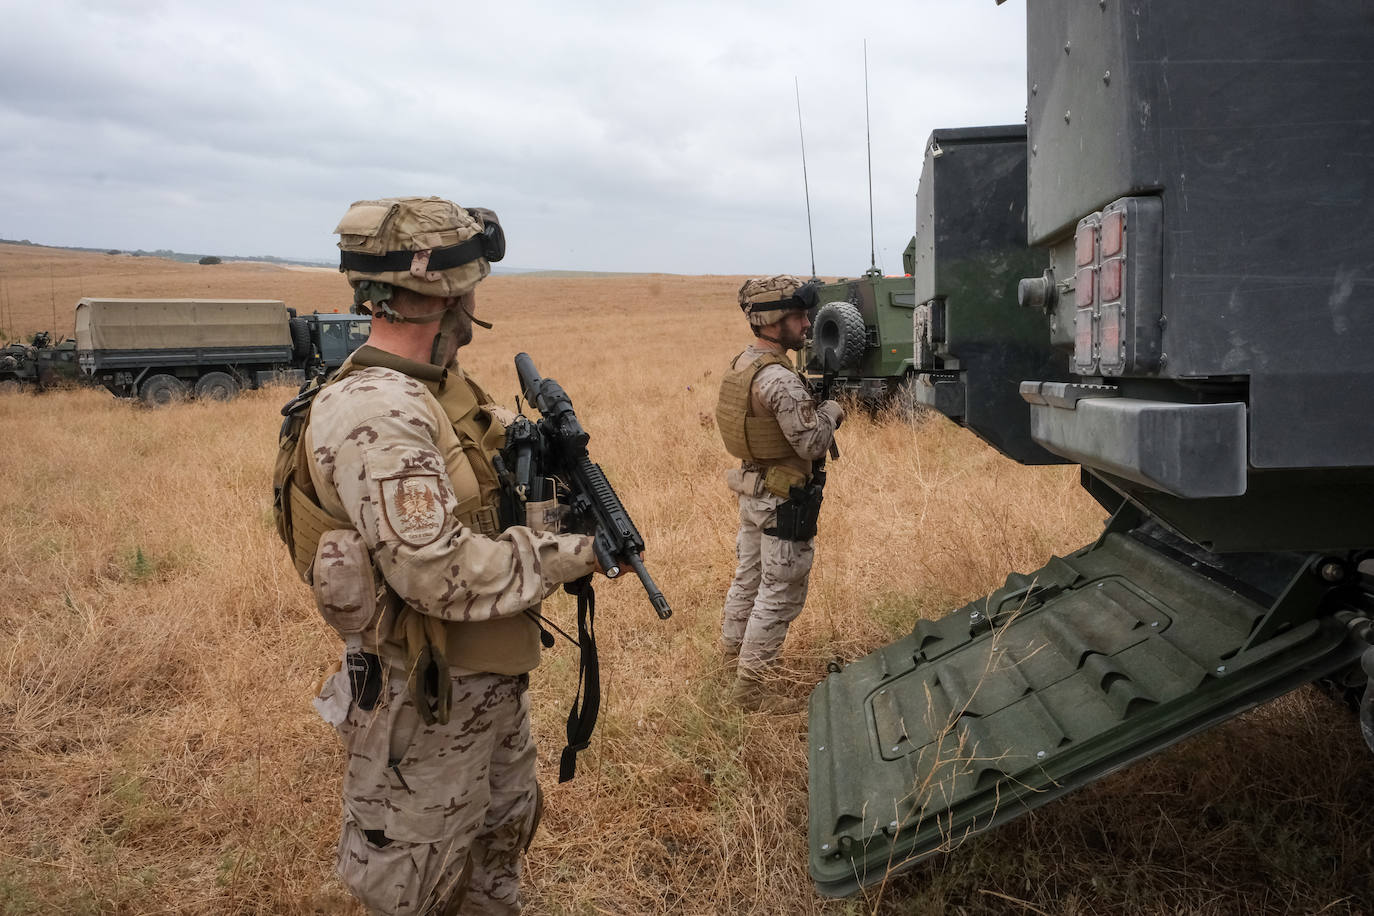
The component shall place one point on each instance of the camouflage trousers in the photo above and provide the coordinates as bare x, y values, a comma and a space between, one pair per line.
769, 588
436, 818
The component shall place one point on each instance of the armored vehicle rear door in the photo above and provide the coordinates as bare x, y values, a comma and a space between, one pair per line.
1055, 680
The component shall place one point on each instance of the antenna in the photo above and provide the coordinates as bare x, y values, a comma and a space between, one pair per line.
805, 184
868, 133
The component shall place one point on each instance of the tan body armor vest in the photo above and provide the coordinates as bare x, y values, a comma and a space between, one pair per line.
750, 431
503, 645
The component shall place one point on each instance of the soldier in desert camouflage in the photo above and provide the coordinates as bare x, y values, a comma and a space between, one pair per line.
769, 420
413, 569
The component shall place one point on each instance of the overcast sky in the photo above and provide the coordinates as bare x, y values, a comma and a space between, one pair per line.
610, 136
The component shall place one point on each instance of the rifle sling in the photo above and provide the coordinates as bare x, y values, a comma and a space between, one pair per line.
582, 716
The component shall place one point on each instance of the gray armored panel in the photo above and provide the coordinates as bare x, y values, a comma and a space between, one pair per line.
1254, 133
1199, 176
971, 337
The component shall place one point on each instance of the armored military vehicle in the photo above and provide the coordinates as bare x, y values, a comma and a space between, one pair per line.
1165, 278
164, 350
39, 362
866, 323
19, 362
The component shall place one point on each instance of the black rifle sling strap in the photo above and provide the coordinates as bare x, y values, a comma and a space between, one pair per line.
587, 702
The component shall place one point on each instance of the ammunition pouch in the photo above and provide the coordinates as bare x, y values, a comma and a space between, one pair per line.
345, 583
782, 481
798, 515
346, 594
545, 515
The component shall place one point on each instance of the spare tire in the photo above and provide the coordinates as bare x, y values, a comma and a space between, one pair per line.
300, 340
838, 337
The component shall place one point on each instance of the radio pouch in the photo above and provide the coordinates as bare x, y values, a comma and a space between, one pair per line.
345, 587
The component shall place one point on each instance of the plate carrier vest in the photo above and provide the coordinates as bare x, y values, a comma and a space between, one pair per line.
755, 439
503, 645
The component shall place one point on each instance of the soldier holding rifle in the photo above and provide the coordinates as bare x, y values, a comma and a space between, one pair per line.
395, 517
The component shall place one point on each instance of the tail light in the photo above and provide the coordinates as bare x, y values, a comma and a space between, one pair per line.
1118, 262
1085, 258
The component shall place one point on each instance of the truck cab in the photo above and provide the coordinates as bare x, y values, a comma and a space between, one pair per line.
334, 336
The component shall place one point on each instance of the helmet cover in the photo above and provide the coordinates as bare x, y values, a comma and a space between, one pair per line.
762, 299
428, 245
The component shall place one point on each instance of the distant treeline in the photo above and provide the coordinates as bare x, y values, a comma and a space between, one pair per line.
540, 272
173, 255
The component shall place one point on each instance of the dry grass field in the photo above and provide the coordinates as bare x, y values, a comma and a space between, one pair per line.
158, 750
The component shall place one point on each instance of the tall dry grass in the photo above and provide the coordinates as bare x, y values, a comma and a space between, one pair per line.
158, 752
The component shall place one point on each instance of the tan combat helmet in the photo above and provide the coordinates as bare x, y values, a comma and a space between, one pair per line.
428, 245
764, 299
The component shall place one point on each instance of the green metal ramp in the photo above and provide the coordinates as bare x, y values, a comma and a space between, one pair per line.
1053, 681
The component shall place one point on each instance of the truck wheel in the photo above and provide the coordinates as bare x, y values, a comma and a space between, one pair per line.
300, 340
161, 390
217, 386
839, 335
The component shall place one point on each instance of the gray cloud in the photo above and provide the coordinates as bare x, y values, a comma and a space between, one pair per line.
609, 135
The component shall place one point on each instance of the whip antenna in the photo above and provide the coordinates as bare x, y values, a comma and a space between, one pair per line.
868, 133
805, 185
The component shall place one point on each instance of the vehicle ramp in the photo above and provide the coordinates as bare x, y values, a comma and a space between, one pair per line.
1053, 681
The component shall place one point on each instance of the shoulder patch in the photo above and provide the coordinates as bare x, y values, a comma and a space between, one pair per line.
806, 413
414, 508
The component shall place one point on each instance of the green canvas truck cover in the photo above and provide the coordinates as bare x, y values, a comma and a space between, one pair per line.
146, 324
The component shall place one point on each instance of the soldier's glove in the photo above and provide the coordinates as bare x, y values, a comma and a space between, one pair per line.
833, 412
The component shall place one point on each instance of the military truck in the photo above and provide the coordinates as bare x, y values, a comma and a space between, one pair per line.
1165, 279
164, 350
866, 323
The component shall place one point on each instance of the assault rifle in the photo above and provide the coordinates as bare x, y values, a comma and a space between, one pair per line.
533, 462
557, 447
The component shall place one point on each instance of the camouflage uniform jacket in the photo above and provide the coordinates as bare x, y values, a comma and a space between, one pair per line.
386, 456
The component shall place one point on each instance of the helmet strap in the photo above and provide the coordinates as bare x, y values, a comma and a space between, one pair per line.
473, 318
450, 323
379, 296
448, 329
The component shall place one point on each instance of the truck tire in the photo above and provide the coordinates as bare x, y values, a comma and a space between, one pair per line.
839, 335
217, 386
300, 340
160, 390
